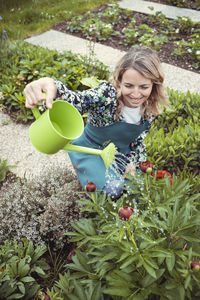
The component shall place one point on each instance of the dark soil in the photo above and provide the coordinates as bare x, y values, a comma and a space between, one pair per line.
188, 3
184, 62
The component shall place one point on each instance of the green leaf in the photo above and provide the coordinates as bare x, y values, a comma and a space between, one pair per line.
23, 269
39, 271
187, 281
124, 292
170, 261
121, 234
27, 279
21, 287
79, 291
149, 270
148, 279
129, 261
90, 81
109, 256
96, 293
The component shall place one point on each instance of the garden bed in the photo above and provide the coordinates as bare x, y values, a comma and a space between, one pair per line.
191, 4
175, 40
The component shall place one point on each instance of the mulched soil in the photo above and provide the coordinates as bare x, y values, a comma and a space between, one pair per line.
188, 4
184, 62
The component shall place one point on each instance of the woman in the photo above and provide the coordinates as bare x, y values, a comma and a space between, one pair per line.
120, 110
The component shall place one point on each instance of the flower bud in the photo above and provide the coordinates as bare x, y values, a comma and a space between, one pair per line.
146, 166
125, 212
90, 187
195, 265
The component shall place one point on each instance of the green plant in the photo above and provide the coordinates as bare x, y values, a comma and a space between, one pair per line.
147, 256
22, 63
4, 168
173, 141
21, 269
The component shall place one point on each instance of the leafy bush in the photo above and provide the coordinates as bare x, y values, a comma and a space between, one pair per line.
22, 63
174, 139
40, 210
146, 257
21, 269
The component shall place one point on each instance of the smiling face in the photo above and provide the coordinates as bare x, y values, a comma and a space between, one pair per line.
135, 88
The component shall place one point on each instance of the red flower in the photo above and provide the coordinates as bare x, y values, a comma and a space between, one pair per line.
90, 187
195, 265
46, 297
125, 212
146, 166
161, 174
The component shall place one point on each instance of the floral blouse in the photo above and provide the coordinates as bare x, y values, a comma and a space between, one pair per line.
100, 104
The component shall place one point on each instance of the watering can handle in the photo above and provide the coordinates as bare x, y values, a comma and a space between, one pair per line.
35, 110
36, 113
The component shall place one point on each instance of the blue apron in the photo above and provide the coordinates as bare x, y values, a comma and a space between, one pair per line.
90, 167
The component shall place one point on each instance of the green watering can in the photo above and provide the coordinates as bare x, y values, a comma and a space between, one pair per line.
57, 127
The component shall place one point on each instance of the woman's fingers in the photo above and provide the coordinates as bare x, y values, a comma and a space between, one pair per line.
34, 92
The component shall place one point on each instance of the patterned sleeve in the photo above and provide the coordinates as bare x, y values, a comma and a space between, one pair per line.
87, 100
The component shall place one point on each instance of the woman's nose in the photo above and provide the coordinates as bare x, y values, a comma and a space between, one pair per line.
135, 92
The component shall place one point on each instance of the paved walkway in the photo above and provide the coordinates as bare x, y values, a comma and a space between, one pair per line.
15, 145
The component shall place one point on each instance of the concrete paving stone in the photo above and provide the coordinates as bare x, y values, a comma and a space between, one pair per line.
171, 12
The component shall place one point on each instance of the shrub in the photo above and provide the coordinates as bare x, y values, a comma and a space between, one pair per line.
22, 268
174, 139
147, 256
40, 210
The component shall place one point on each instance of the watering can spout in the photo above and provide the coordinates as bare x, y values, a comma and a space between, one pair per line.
107, 154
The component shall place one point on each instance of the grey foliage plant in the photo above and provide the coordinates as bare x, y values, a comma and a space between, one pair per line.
40, 210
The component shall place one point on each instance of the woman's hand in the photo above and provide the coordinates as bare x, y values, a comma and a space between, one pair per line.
34, 92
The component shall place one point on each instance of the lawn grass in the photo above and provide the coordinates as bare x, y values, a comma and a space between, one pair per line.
23, 18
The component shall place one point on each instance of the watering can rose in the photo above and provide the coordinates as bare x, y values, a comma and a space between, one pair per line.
90, 187
195, 265
125, 213
146, 166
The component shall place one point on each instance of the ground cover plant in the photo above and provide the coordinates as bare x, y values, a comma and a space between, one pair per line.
177, 41
21, 63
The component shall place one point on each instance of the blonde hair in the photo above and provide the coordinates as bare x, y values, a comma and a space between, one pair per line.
146, 62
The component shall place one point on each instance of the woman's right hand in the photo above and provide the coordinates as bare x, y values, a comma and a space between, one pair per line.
34, 92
